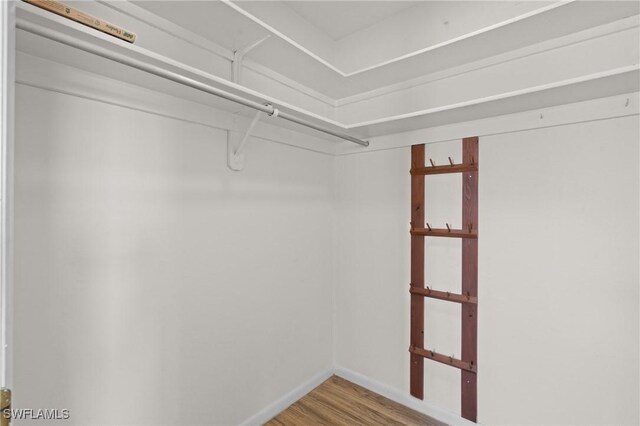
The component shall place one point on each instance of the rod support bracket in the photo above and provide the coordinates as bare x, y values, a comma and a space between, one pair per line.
238, 57
236, 143
235, 161
275, 112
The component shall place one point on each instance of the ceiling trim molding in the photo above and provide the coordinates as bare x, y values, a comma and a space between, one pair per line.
545, 46
337, 70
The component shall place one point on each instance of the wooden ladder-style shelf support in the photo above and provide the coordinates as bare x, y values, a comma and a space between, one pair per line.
468, 300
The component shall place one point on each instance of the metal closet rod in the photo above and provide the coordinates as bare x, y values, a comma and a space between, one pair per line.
173, 76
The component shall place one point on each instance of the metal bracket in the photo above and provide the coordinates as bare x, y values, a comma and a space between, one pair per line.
235, 149
236, 143
238, 56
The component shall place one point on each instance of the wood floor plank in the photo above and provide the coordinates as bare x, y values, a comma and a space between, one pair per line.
338, 402
327, 413
355, 410
298, 414
367, 412
377, 402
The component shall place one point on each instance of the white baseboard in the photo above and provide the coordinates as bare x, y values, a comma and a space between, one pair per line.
401, 397
393, 394
280, 405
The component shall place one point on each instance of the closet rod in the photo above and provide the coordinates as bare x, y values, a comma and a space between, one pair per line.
175, 77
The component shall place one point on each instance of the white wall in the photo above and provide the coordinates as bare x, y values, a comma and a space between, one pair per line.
153, 285
558, 273
132, 284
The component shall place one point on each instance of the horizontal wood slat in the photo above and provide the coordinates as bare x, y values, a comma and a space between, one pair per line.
444, 295
444, 359
444, 232
447, 168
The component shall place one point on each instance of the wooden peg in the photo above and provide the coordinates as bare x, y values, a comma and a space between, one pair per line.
433, 163
448, 227
428, 226
470, 227
473, 160
450, 161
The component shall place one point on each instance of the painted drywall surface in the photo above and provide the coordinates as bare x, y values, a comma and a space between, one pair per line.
558, 273
153, 285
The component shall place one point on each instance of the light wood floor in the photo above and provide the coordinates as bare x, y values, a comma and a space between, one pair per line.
340, 402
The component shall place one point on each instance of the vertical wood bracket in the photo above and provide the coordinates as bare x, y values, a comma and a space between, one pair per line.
469, 336
417, 272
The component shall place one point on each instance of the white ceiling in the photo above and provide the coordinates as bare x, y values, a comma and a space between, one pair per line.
339, 19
